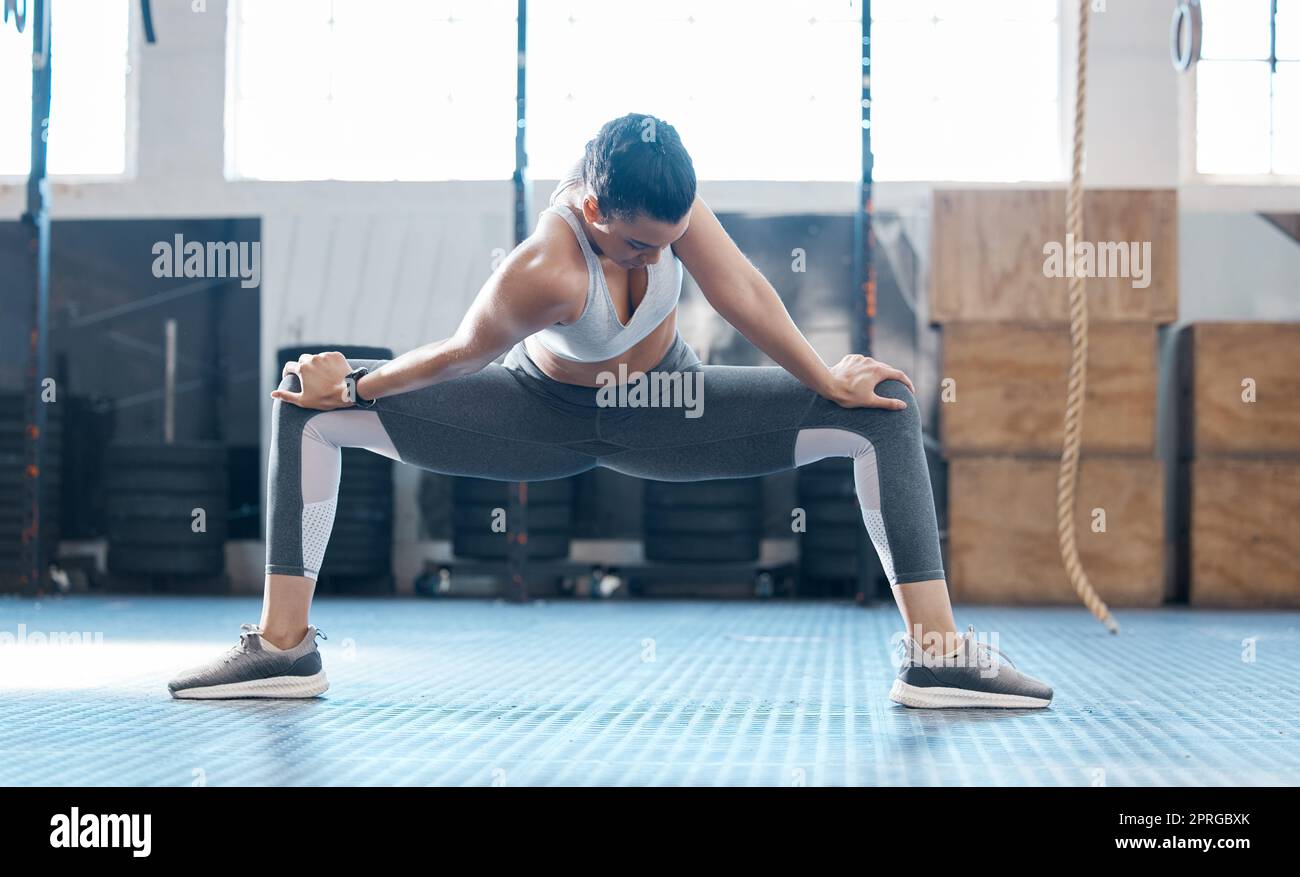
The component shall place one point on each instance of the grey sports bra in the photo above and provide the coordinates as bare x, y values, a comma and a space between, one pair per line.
599, 334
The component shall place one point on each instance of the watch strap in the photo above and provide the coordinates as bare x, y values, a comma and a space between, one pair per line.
353, 379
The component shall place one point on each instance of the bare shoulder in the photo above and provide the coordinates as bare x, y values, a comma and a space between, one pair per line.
547, 269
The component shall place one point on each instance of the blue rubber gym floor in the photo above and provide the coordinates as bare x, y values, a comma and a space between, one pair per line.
471, 693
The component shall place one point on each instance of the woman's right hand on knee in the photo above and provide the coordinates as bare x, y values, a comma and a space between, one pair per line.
321, 376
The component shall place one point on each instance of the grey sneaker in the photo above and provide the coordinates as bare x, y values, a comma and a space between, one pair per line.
972, 677
248, 669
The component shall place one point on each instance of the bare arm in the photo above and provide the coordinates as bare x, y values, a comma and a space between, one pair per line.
525, 294
742, 296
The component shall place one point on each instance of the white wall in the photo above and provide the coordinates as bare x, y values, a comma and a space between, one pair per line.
1132, 110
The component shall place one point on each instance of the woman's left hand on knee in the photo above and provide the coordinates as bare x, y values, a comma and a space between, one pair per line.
856, 379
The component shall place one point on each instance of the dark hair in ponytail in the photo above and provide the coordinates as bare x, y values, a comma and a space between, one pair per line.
636, 164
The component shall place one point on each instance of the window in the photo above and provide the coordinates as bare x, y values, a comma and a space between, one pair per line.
757, 89
1248, 88
371, 90
966, 91
87, 130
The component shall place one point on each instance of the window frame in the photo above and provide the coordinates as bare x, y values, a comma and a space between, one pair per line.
131, 126
1187, 94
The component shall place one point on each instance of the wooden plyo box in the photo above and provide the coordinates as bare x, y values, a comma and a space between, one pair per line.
1221, 366
1010, 381
1002, 541
987, 255
1245, 532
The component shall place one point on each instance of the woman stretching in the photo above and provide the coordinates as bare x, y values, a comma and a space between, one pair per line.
591, 294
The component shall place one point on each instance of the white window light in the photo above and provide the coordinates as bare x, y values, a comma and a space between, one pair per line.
371, 90
1248, 89
757, 89
87, 129
966, 91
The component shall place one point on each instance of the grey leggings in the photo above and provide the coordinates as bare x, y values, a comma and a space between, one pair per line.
511, 422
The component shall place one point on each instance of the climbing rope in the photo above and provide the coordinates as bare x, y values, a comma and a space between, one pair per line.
1069, 472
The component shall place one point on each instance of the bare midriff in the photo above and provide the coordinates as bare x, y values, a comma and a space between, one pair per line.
640, 357
627, 287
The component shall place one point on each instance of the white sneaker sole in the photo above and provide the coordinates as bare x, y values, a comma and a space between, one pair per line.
947, 698
279, 686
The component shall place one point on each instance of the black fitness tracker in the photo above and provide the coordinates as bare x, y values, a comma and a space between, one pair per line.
351, 380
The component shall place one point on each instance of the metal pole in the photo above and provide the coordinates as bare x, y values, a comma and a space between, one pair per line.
37, 219
523, 191
864, 269
517, 510
863, 300
169, 382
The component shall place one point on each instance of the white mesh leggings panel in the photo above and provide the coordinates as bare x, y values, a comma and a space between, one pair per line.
323, 437
812, 445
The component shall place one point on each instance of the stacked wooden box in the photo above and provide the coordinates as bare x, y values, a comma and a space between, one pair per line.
1239, 463
1006, 351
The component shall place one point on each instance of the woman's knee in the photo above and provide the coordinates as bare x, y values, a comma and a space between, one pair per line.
904, 420
893, 389
290, 383
875, 422
288, 419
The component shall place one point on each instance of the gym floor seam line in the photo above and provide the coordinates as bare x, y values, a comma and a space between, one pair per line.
466, 692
